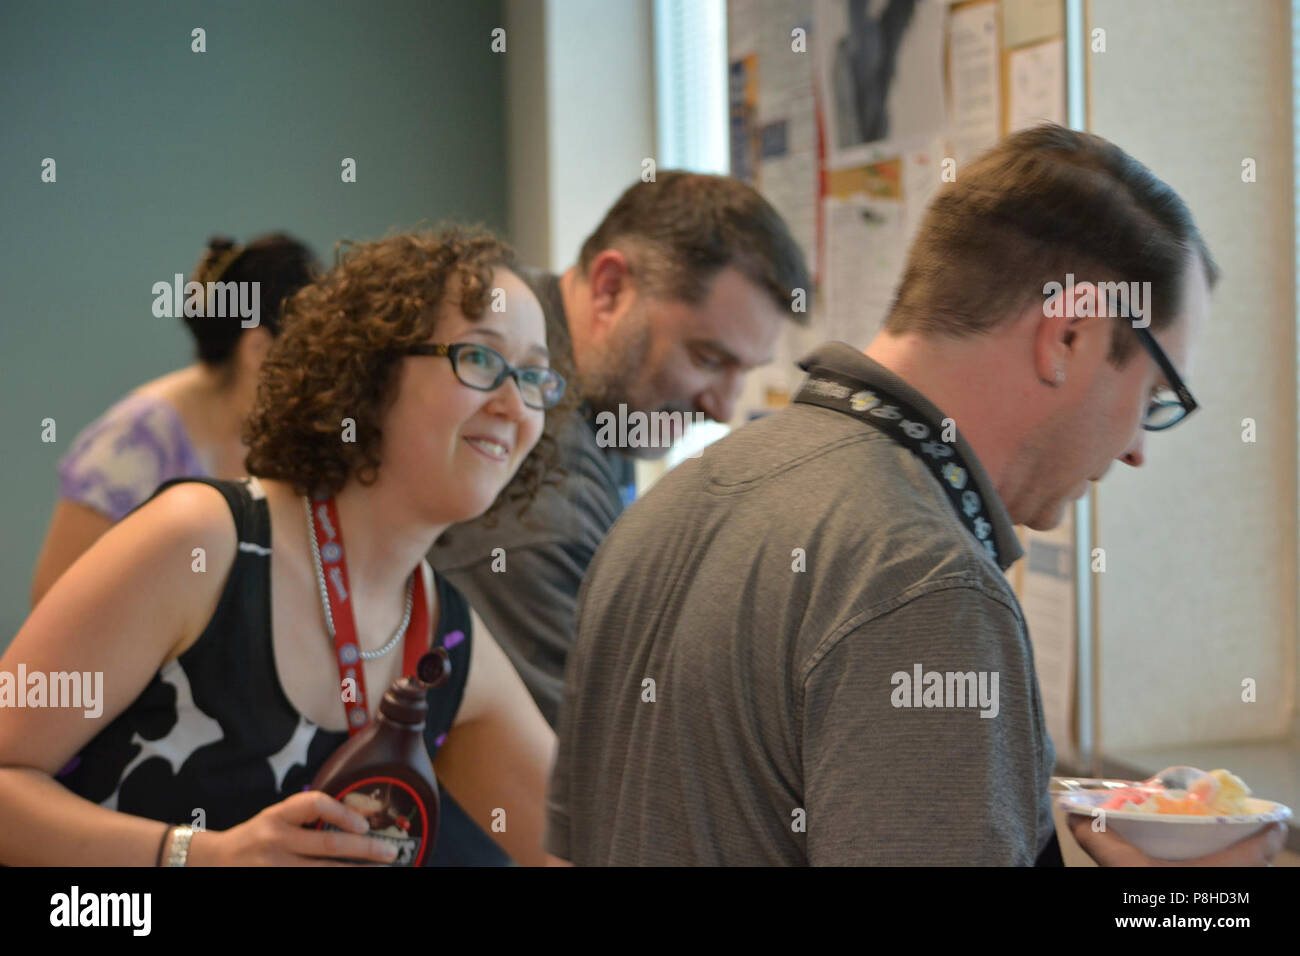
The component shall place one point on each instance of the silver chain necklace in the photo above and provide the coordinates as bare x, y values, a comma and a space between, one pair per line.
324, 595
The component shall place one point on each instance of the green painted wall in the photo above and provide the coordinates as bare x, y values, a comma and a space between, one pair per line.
158, 147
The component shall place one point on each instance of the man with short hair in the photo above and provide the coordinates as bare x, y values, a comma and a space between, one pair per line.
680, 291
802, 648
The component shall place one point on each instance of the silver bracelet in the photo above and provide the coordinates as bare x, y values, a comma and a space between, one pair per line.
180, 848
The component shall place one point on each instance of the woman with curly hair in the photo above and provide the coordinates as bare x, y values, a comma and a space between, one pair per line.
407, 389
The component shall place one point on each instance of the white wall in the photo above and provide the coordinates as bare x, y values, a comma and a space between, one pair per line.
528, 130
1200, 586
581, 117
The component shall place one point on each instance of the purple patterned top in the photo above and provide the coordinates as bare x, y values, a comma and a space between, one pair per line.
121, 457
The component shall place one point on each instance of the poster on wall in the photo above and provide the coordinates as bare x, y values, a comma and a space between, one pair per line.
773, 110
922, 169
864, 253
788, 157
974, 117
880, 76
1036, 85
743, 109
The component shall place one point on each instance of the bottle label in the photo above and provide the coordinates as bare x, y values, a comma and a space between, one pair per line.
395, 813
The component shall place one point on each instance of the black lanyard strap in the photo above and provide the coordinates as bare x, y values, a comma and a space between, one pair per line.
903, 423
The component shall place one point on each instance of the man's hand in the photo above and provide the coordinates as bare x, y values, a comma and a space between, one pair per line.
1111, 849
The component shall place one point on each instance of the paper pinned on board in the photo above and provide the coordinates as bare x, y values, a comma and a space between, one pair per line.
864, 251
880, 77
1037, 85
974, 115
922, 178
787, 119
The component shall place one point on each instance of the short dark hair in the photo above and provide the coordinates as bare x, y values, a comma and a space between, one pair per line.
280, 263
682, 229
1045, 202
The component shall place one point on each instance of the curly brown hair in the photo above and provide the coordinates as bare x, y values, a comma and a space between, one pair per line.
339, 352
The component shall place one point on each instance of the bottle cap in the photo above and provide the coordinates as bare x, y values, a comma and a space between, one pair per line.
434, 668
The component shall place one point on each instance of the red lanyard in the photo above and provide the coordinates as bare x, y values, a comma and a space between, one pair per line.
347, 651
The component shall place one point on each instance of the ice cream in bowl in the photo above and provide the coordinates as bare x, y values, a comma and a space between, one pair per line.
1180, 813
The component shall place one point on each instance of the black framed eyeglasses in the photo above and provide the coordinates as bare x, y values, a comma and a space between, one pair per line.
1168, 406
486, 369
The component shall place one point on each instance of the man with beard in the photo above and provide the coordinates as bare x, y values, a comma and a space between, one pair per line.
679, 292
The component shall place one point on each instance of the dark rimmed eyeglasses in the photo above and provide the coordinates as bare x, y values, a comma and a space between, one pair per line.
486, 369
1168, 405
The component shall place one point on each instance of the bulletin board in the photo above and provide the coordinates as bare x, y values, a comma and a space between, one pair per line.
848, 116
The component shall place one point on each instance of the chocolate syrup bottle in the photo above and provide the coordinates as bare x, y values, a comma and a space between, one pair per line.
384, 772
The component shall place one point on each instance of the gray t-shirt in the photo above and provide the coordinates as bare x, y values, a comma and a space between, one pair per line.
734, 695
529, 606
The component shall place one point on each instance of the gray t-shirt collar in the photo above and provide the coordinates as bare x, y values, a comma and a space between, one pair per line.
846, 360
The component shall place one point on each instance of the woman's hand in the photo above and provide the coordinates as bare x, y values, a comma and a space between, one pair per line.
277, 837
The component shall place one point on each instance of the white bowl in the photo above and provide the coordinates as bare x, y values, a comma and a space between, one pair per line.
1171, 836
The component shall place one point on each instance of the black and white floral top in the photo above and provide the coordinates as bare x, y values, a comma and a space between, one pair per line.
213, 730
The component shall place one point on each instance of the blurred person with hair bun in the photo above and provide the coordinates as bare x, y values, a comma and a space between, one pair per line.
186, 422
